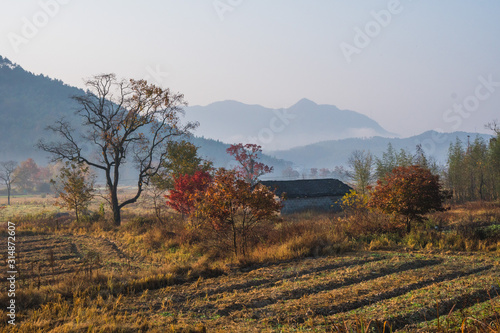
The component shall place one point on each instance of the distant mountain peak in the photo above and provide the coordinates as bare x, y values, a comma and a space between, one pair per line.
4, 62
306, 122
304, 102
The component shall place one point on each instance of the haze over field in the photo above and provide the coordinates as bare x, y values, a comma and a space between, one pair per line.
411, 66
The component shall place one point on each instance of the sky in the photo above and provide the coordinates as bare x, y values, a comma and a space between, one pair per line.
411, 65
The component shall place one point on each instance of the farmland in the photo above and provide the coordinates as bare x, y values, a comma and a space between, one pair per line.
102, 280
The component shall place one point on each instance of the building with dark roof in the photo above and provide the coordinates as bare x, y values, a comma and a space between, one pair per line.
309, 194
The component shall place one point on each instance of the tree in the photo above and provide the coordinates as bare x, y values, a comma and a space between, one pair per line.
26, 175
404, 158
44, 175
184, 195
182, 159
246, 156
324, 173
314, 172
124, 121
476, 168
494, 158
340, 173
408, 191
384, 165
471, 170
456, 170
288, 172
7, 175
235, 209
361, 173
75, 186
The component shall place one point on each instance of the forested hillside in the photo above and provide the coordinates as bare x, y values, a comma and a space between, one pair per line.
28, 103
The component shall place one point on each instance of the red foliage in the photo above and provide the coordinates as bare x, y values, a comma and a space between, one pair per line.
234, 208
183, 197
409, 191
246, 156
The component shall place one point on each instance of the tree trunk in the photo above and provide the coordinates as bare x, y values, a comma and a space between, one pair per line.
115, 207
408, 224
235, 242
117, 216
8, 195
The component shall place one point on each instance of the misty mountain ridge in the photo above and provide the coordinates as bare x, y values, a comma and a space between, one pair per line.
29, 103
277, 129
328, 154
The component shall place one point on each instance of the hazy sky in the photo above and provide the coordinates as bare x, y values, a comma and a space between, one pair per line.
410, 65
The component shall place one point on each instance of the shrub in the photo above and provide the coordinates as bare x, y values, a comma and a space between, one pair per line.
140, 224
408, 191
233, 211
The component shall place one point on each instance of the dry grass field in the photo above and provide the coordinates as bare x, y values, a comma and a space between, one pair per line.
96, 278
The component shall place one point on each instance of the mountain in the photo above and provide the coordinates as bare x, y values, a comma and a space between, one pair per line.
328, 154
276, 129
29, 103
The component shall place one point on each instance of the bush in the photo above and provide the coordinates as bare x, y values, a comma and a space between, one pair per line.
159, 236
140, 224
491, 232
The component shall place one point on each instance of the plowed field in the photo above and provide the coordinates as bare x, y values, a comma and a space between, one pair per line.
408, 291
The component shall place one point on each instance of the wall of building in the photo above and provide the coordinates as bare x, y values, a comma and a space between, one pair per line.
318, 204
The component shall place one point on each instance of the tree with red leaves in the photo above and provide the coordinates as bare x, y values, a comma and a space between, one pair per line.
235, 210
246, 156
408, 191
186, 187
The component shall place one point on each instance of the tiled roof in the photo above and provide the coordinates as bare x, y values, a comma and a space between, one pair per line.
308, 188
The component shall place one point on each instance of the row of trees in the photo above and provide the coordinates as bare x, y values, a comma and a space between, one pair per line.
406, 184
338, 172
26, 177
365, 169
474, 169
411, 185
73, 183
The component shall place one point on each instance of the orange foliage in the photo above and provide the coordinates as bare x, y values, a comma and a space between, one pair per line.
409, 191
235, 209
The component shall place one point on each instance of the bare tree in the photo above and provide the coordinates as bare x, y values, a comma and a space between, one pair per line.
124, 121
361, 173
7, 175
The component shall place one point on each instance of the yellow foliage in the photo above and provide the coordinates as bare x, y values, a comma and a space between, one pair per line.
354, 201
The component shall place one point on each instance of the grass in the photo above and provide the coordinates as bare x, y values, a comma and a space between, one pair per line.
311, 272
